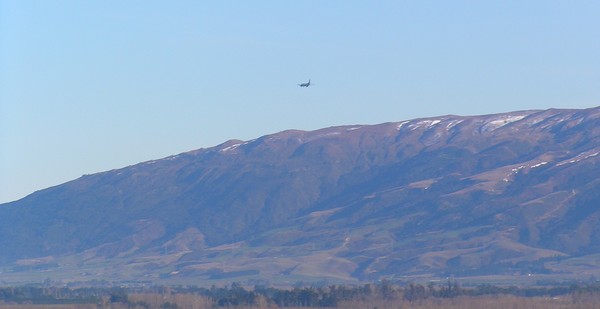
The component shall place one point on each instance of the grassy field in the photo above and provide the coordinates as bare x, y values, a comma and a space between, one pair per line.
382, 295
487, 302
191, 301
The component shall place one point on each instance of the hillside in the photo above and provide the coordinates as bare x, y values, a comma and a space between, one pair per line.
504, 194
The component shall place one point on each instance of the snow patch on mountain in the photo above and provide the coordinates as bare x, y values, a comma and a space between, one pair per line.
453, 123
228, 148
500, 122
581, 156
539, 164
424, 124
401, 124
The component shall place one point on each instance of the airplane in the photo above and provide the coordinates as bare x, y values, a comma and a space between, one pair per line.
305, 84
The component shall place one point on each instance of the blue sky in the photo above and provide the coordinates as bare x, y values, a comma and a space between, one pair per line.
89, 86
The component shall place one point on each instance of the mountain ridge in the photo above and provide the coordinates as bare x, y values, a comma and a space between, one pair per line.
465, 195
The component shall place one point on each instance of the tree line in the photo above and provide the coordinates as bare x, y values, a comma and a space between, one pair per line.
236, 295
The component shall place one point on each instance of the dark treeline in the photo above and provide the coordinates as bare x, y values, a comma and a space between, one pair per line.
51, 295
237, 295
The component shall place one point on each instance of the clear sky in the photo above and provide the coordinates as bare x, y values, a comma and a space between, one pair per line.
89, 86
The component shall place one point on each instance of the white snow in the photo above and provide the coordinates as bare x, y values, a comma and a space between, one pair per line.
551, 120
401, 124
330, 134
500, 122
516, 170
427, 123
539, 164
434, 122
453, 123
567, 162
578, 158
234, 146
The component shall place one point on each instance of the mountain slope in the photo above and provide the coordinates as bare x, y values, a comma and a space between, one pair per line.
494, 194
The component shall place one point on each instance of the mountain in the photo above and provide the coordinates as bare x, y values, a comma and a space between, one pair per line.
495, 195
